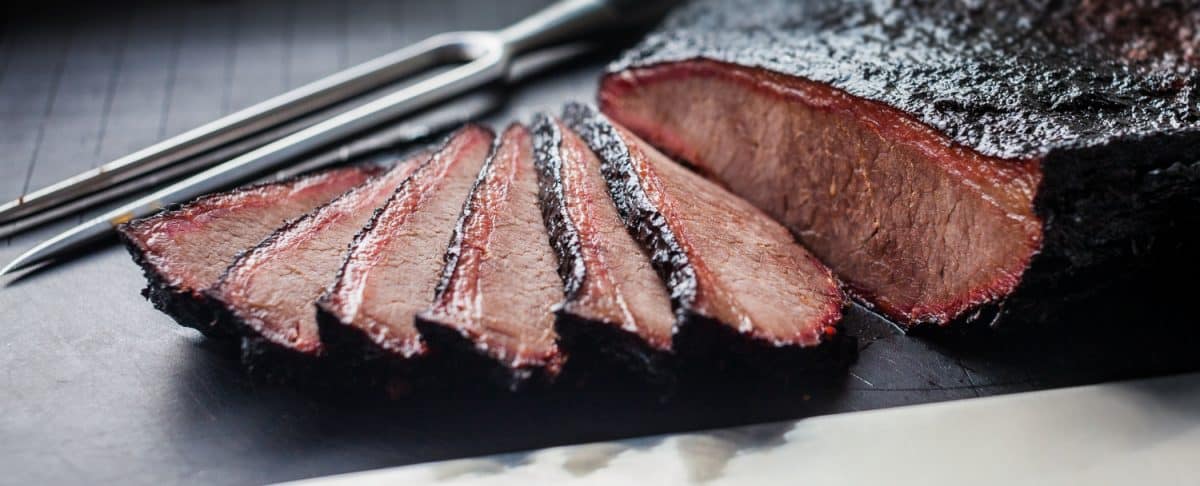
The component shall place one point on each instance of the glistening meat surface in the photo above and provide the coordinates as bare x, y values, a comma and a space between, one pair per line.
271, 288
184, 250
394, 264
725, 262
939, 156
498, 288
921, 229
614, 302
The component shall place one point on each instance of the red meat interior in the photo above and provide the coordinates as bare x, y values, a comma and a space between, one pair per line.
923, 229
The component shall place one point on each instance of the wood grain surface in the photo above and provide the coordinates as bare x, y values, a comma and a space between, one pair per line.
98, 387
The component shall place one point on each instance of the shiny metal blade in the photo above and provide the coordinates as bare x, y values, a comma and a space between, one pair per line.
489, 65
306, 99
487, 57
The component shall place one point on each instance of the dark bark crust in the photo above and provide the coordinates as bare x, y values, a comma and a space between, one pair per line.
461, 358
271, 362
641, 217
445, 339
348, 347
355, 362
351, 360
582, 337
342, 341
701, 343
1115, 214
595, 345
711, 348
1118, 215
1103, 94
187, 308
267, 363
227, 318
192, 308
1014, 80
454, 251
564, 236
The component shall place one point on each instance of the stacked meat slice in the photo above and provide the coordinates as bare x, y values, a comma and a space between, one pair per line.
738, 280
444, 265
183, 250
498, 288
946, 159
614, 302
269, 290
394, 264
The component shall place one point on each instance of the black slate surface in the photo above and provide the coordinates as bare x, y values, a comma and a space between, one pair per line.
97, 387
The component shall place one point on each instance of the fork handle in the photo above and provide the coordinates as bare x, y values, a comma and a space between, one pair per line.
569, 20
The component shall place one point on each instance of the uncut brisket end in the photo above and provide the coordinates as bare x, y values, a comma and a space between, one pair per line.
921, 229
742, 287
395, 262
938, 156
184, 249
269, 292
498, 289
614, 304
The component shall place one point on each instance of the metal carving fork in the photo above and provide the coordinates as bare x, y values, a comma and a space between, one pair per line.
480, 58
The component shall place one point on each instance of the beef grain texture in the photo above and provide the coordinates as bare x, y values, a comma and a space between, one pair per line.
184, 249
940, 158
270, 291
497, 292
395, 262
614, 305
742, 287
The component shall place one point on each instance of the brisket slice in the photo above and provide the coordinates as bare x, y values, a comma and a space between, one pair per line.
395, 262
614, 302
184, 249
498, 288
737, 278
270, 290
938, 156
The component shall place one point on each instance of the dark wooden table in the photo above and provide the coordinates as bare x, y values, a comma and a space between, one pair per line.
97, 386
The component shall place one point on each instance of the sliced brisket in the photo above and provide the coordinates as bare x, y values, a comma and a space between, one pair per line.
738, 279
270, 290
498, 288
937, 155
614, 302
395, 262
184, 249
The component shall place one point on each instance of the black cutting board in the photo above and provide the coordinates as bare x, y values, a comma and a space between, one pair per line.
97, 386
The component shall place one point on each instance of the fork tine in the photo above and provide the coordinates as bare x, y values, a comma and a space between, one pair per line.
276, 111
490, 63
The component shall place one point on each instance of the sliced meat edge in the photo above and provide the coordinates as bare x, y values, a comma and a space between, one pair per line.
270, 291
184, 249
724, 261
614, 302
394, 264
498, 289
920, 228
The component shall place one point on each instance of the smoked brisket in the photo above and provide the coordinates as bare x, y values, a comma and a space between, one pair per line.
184, 249
495, 299
940, 156
269, 292
742, 287
614, 304
395, 262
